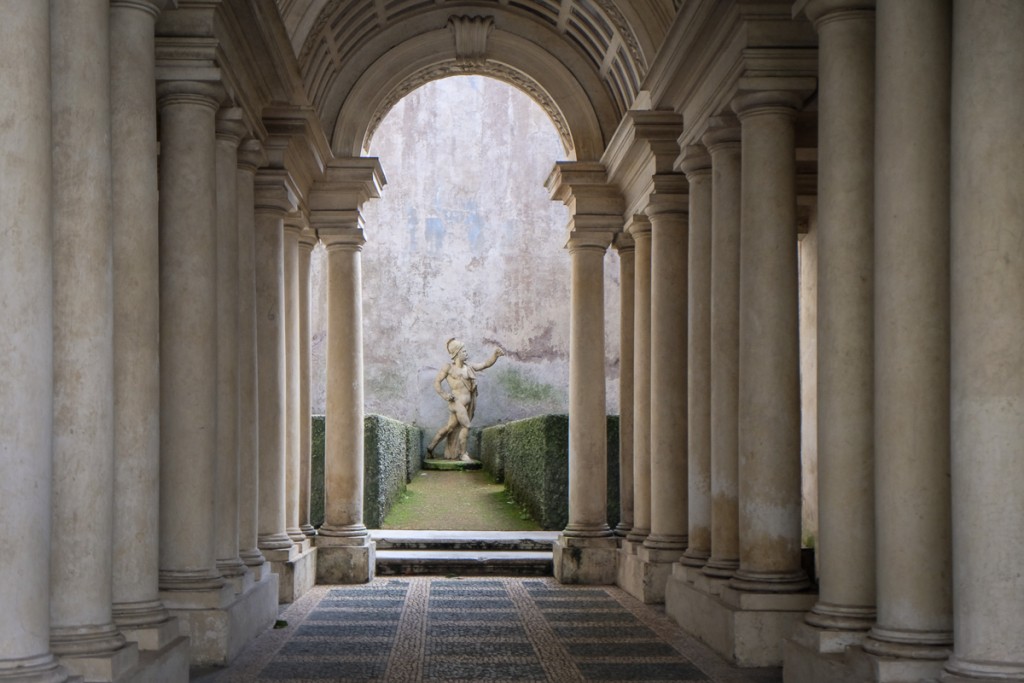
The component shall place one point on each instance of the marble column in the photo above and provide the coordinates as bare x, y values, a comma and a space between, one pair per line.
769, 391
273, 200
292, 230
307, 240
250, 157
230, 130
697, 166
82, 629
987, 351
914, 588
846, 526
667, 212
26, 297
188, 337
639, 228
627, 269
723, 143
136, 291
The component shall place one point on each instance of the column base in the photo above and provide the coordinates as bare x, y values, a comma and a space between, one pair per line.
958, 671
645, 571
154, 636
295, 568
169, 664
585, 559
257, 564
41, 669
804, 661
219, 623
110, 666
308, 530
748, 629
97, 653
345, 559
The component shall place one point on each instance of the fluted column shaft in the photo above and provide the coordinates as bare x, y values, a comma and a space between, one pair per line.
136, 287
669, 282
293, 440
627, 274
914, 591
588, 447
769, 391
640, 229
306, 243
81, 621
845, 313
229, 133
250, 157
723, 142
343, 462
987, 371
188, 335
697, 166
272, 203
26, 297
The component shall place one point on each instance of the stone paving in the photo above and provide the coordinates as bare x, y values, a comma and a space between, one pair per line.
477, 629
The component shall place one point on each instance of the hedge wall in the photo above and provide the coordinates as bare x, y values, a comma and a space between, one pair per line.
532, 457
391, 457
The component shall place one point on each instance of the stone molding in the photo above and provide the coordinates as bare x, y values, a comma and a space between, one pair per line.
470, 37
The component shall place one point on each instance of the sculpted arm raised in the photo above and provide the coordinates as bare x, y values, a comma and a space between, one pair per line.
490, 361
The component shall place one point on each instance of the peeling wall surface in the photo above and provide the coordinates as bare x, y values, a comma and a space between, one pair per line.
465, 242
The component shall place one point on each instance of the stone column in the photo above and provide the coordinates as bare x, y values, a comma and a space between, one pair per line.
627, 251
188, 340
230, 130
137, 609
82, 631
250, 157
346, 552
667, 211
697, 166
769, 392
273, 201
26, 297
723, 142
987, 352
913, 627
292, 229
307, 240
846, 526
639, 228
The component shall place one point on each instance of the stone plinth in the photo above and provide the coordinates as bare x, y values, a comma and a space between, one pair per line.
296, 570
586, 560
169, 664
345, 560
643, 572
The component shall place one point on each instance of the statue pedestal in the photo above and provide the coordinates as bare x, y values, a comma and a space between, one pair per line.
451, 465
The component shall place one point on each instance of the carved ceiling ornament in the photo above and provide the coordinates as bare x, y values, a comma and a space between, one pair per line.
470, 35
501, 72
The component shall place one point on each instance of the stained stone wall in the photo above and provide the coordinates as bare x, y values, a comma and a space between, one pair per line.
465, 242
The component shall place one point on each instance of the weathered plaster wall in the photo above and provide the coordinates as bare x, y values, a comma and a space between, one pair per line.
465, 242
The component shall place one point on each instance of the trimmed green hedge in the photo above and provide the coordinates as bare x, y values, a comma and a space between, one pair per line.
532, 456
391, 457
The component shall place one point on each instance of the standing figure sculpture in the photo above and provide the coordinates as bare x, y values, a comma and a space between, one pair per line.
461, 399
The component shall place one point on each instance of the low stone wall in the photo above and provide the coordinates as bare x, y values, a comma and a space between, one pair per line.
532, 457
391, 457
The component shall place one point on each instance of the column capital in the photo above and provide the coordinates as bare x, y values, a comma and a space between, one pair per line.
589, 239
624, 243
779, 95
638, 226
307, 238
200, 93
670, 195
152, 7
583, 186
695, 162
722, 132
274, 192
347, 184
349, 239
295, 222
251, 155
230, 126
820, 11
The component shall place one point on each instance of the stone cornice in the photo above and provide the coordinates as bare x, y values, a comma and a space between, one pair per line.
644, 145
296, 143
346, 185
274, 191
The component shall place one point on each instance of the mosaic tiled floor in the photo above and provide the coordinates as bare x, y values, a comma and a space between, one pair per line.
477, 629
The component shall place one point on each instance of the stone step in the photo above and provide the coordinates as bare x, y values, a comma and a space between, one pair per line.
538, 541
464, 562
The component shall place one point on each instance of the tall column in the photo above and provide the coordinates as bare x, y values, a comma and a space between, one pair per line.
769, 392
987, 341
627, 273
188, 339
846, 536
292, 230
82, 630
137, 609
723, 143
667, 211
250, 157
639, 229
26, 297
307, 240
273, 201
697, 166
230, 130
914, 589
